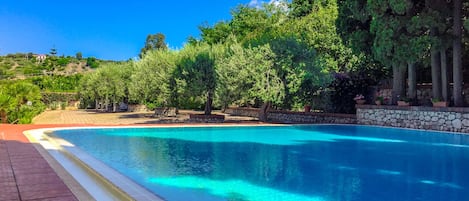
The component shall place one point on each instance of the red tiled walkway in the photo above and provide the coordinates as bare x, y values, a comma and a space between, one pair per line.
24, 173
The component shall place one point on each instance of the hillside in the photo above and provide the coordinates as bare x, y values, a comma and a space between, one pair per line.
23, 66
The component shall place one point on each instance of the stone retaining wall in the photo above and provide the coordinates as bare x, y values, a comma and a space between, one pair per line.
243, 112
137, 108
202, 118
311, 117
417, 117
295, 117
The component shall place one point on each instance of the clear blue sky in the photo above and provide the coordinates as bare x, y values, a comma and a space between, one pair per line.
106, 29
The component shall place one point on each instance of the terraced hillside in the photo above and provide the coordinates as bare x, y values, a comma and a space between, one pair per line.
22, 66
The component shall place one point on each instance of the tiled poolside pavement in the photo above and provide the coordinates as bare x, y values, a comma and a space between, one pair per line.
24, 173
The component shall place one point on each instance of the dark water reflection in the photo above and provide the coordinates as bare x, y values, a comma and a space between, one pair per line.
342, 163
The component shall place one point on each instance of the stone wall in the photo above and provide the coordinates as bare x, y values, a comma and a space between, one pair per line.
202, 118
429, 118
311, 117
137, 108
243, 112
295, 117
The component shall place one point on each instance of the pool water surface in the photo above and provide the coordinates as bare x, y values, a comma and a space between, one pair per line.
310, 162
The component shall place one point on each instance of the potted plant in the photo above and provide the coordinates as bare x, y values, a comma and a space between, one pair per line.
359, 99
403, 101
379, 100
439, 103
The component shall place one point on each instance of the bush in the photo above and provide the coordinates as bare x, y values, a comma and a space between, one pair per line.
63, 105
63, 61
20, 101
51, 97
53, 106
92, 62
344, 88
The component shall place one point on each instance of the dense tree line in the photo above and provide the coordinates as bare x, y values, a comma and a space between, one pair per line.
260, 56
282, 54
403, 34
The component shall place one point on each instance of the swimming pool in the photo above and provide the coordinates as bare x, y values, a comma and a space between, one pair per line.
313, 162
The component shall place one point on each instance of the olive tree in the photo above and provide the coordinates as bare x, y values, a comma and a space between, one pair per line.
152, 81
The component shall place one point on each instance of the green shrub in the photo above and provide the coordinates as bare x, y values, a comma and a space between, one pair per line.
92, 62
63, 105
54, 105
20, 101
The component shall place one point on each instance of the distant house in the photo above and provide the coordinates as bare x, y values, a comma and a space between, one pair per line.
41, 57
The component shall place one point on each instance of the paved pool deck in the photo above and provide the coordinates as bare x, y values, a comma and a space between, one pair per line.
25, 175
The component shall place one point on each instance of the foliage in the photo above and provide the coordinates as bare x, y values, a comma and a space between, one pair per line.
92, 62
108, 84
20, 102
246, 75
301, 8
154, 42
152, 82
53, 51
344, 89
196, 67
380, 99
50, 97
79, 55
57, 83
63, 61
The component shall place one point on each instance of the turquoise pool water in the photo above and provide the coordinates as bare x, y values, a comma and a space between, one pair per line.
316, 162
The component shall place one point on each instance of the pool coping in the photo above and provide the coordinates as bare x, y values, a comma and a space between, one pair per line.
107, 179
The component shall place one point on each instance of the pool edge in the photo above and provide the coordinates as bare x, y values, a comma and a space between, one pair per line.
37, 137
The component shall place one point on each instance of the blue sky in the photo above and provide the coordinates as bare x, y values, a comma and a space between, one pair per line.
114, 30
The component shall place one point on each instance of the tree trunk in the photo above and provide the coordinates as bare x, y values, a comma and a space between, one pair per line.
398, 82
412, 75
4, 117
208, 103
457, 60
106, 105
436, 72
114, 106
444, 75
263, 112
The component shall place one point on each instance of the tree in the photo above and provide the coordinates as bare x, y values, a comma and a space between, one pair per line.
108, 85
152, 80
301, 8
247, 75
154, 42
53, 52
457, 54
79, 55
398, 27
196, 66
92, 62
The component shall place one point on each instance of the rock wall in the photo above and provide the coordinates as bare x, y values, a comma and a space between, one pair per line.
307, 117
429, 118
243, 112
137, 108
296, 117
